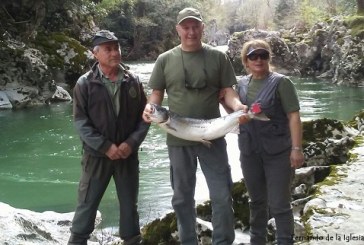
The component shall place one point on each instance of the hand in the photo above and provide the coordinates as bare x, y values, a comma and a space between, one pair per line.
244, 118
242, 107
146, 113
297, 158
125, 150
113, 152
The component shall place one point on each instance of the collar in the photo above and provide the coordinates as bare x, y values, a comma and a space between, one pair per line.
120, 75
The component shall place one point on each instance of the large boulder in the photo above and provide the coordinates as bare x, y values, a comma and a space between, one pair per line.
42, 45
283, 60
25, 227
32, 76
4, 101
20, 226
329, 50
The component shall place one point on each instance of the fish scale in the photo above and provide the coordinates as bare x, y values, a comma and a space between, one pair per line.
200, 130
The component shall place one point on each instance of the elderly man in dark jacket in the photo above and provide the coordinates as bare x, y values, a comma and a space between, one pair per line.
108, 106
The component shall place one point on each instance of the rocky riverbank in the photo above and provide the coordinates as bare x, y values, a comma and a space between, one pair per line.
328, 146
30, 72
335, 213
326, 191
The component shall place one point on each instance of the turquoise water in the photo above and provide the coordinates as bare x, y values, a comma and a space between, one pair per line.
319, 99
40, 153
40, 165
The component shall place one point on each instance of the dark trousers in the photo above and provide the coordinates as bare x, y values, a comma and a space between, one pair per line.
95, 177
268, 180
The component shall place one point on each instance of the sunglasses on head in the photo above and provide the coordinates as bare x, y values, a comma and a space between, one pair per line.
262, 56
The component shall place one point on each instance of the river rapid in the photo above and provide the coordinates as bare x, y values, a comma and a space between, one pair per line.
40, 153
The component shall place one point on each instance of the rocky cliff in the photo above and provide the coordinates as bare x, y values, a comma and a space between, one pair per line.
330, 50
42, 47
45, 44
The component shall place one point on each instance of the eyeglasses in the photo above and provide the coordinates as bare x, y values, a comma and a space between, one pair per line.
263, 56
195, 84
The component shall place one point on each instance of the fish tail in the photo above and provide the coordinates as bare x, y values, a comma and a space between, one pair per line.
206, 143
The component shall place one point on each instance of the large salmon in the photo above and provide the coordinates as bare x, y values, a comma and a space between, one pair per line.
201, 130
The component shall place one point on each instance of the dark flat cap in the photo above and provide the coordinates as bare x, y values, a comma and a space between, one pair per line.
103, 36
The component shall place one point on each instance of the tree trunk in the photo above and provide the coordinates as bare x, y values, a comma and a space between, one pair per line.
360, 5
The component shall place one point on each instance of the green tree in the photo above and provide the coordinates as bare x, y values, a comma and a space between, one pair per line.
310, 12
282, 11
360, 5
147, 27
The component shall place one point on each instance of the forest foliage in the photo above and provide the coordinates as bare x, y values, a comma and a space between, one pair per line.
150, 25
147, 27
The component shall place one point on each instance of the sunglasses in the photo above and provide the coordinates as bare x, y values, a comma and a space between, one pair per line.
255, 56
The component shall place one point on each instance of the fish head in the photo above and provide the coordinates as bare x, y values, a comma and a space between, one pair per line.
159, 114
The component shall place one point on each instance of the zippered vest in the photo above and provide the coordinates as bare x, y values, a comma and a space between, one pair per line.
271, 137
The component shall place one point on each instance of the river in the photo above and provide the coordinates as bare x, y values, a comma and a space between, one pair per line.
40, 153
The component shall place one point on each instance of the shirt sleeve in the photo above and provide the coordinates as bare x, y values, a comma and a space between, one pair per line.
288, 95
228, 77
157, 79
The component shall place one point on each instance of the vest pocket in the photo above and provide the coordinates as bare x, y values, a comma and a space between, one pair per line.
276, 145
244, 142
275, 138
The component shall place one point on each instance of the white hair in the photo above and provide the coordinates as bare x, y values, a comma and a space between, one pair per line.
95, 49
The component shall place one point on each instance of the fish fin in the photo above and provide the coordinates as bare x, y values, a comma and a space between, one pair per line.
235, 130
206, 143
169, 127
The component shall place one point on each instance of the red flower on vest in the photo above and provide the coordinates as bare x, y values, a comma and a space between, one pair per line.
255, 108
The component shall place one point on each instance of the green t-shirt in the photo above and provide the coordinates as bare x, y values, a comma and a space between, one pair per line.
286, 92
207, 71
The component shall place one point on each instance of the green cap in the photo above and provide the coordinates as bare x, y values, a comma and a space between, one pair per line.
188, 13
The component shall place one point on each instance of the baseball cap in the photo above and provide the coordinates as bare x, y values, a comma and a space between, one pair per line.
188, 13
103, 36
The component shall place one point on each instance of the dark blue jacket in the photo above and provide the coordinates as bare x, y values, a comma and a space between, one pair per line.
272, 136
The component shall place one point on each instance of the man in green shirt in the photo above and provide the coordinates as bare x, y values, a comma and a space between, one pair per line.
193, 75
